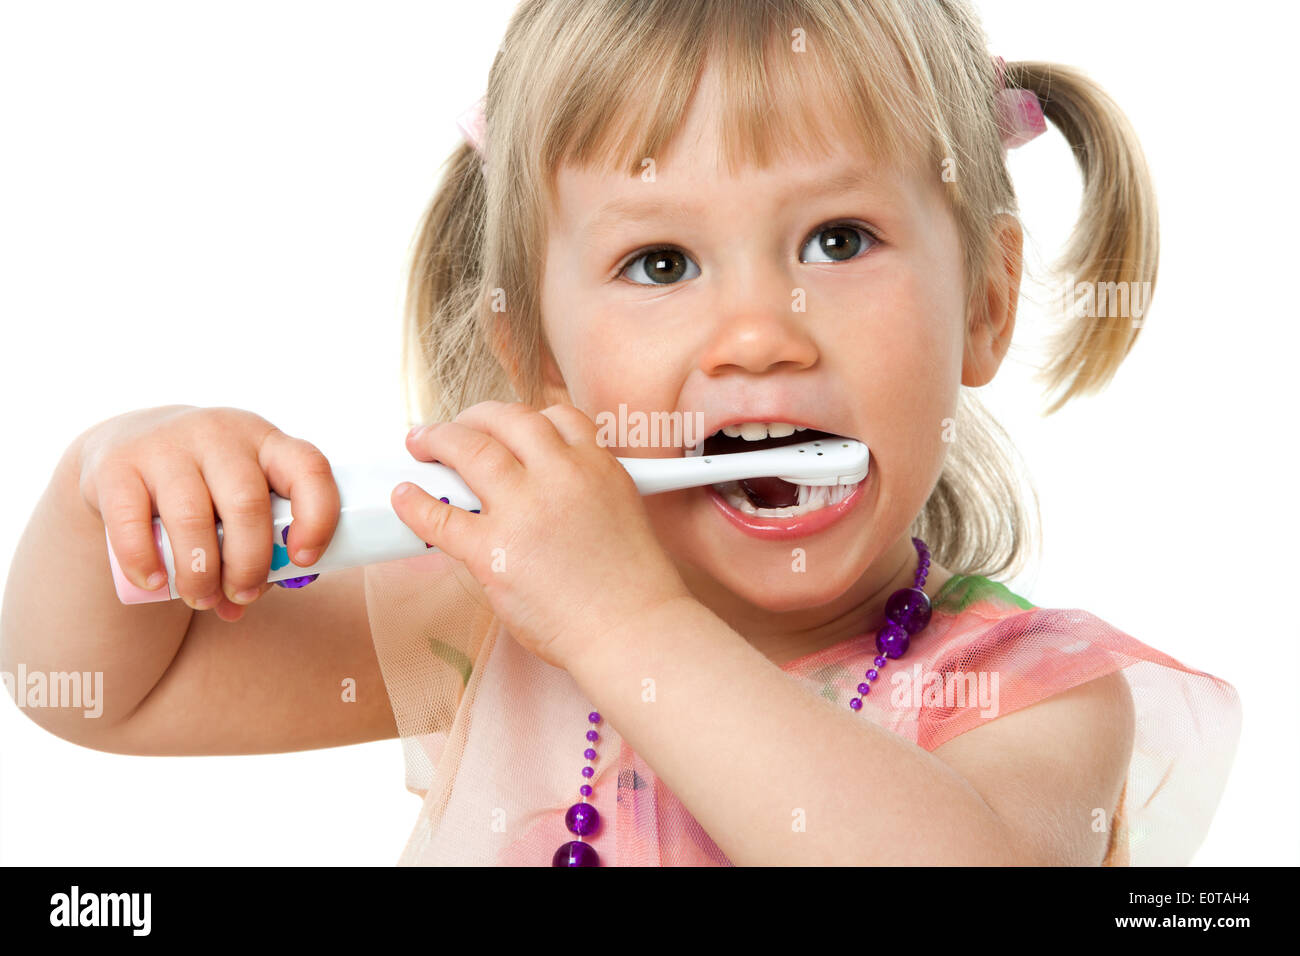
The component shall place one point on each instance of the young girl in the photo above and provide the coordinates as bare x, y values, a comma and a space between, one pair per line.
758, 217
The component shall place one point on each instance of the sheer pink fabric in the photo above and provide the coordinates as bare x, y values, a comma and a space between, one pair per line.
493, 736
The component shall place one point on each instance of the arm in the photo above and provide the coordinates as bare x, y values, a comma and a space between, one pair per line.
177, 681
745, 748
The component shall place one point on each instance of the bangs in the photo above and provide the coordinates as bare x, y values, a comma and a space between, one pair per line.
794, 78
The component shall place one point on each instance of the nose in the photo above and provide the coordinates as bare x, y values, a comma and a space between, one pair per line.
758, 330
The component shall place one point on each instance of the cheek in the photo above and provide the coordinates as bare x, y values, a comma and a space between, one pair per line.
602, 373
904, 346
605, 362
907, 367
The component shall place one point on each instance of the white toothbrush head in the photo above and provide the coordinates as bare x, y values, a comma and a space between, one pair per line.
849, 458
828, 460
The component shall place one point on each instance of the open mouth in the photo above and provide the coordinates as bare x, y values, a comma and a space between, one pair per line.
771, 497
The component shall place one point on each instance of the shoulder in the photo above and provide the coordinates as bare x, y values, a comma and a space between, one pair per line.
1053, 771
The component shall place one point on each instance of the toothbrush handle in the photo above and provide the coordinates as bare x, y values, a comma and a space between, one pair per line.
370, 532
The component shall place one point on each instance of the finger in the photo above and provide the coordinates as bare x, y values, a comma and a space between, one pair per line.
572, 424
299, 471
185, 508
487, 466
243, 503
446, 527
528, 434
230, 613
127, 511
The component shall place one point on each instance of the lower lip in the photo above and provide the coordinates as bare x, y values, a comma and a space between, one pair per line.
800, 526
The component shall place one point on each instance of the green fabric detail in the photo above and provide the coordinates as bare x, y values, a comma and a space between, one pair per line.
453, 658
962, 590
826, 676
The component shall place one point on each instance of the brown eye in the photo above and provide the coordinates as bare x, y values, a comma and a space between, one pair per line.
660, 267
837, 242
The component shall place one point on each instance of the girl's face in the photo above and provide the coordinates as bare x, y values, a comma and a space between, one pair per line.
766, 298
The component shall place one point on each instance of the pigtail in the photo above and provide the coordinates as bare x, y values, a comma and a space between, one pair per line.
1112, 255
446, 365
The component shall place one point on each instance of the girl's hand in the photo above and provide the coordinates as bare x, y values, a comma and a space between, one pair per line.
191, 462
562, 548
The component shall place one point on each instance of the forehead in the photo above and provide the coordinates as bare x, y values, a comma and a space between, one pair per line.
816, 151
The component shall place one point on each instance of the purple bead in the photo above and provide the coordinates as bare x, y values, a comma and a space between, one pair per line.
582, 819
588, 772
864, 689
585, 790
872, 674
592, 735
575, 853
855, 704
301, 582
589, 754
892, 640
879, 661
909, 608
594, 717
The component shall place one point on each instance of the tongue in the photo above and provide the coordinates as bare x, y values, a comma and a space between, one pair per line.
770, 492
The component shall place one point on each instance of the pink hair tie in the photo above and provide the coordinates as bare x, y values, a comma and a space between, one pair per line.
1020, 115
473, 126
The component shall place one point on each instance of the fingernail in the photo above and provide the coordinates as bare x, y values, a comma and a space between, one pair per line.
403, 488
415, 432
248, 596
156, 580
210, 601
305, 558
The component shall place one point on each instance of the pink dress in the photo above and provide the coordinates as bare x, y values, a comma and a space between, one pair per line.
490, 732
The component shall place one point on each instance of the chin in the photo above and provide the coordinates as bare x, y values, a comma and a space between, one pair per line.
784, 590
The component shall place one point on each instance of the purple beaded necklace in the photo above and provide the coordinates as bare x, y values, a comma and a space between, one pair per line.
907, 612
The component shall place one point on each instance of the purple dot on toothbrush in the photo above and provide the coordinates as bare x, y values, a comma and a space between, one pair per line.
444, 501
301, 582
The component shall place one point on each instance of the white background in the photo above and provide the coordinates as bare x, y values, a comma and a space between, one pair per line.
212, 204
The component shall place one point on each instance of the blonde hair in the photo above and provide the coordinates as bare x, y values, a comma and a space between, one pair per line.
571, 83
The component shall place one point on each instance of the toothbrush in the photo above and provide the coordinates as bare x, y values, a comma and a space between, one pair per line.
369, 531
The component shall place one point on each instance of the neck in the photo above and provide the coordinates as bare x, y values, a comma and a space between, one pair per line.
786, 635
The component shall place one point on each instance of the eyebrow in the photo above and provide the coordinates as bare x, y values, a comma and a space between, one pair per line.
618, 211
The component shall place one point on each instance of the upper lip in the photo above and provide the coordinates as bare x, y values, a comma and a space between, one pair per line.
715, 424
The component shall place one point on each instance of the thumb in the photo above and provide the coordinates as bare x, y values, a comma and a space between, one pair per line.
439, 524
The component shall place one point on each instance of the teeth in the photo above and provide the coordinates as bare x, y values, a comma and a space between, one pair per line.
750, 431
757, 431
811, 498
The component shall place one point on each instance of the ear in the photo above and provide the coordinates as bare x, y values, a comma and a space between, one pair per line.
989, 336
553, 389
